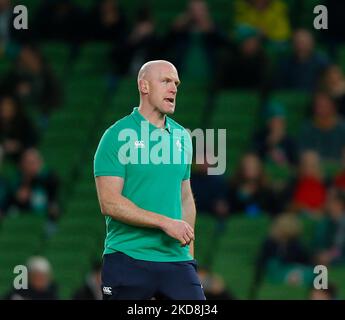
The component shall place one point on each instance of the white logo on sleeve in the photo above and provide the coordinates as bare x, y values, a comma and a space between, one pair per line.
107, 290
179, 145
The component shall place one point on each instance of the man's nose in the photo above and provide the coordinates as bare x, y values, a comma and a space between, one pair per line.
173, 88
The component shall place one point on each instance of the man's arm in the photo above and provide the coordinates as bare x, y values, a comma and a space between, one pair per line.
188, 208
113, 204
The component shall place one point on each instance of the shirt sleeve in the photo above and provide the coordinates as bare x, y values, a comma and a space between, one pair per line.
187, 173
107, 160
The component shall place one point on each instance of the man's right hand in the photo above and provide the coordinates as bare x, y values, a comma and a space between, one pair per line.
179, 230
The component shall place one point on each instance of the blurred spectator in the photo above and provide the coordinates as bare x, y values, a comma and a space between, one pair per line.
272, 143
16, 131
36, 189
249, 189
331, 293
334, 36
210, 191
329, 239
107, 22
6, 13
40, 283
283, 258
143, 43
4, 197
302, 68
32, 81
325, 132
269, 16
193, 43
60, 20
308, 190
244, 65
214, 286
91, 290
339, 180
334, 84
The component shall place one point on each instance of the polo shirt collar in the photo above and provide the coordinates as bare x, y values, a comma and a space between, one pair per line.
138, 117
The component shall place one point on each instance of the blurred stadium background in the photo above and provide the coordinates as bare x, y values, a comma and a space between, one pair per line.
73, 74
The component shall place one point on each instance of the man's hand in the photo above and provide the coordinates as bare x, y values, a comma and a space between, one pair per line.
179, 230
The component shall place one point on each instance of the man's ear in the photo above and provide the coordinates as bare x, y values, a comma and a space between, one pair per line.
144, 86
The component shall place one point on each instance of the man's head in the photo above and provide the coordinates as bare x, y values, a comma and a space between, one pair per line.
39, 273
324, 106
5, 5
310, 164
275, 116
303, 43
31, 162
248, 39
31, 59
8, 108
333, 77
157, 83
198, 10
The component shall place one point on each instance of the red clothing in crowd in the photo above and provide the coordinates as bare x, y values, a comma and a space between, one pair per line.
310, 193
340, 180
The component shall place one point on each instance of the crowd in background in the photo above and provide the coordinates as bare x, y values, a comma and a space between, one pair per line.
267, 49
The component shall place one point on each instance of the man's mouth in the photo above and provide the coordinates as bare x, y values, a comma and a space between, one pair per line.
171, 100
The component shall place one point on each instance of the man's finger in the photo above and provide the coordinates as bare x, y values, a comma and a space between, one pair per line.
187, 239
190, 229
190, 234
183, 241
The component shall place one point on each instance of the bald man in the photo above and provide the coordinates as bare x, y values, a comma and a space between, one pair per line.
148, 204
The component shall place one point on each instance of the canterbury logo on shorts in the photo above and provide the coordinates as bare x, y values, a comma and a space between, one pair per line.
107, 290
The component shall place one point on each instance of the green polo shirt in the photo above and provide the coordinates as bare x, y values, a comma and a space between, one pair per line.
153, 163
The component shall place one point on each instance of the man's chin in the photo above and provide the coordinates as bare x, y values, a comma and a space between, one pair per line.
169, 110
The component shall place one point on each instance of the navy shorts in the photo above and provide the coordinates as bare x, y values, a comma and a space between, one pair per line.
125, 278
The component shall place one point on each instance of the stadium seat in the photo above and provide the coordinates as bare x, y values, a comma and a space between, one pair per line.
296, 105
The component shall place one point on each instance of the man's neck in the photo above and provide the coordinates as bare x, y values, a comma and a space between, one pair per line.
153, 116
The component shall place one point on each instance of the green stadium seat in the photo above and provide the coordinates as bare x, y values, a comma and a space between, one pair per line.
28, 223
296, 104
84, 226
77, 242
26, 242
281, 292
93, 59
236, 251
278, 174
239, 101
56, 52
5, 64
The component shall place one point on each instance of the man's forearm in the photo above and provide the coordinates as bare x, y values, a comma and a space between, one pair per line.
126, 211
189, 214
